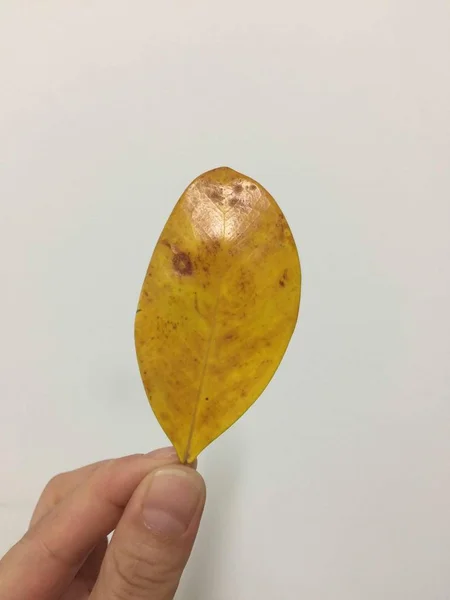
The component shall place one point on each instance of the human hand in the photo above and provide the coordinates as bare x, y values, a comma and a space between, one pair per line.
153, 503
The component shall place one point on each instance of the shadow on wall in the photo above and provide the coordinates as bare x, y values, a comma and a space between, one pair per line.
222, 475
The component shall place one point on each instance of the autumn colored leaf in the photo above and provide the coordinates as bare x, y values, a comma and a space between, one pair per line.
217, 309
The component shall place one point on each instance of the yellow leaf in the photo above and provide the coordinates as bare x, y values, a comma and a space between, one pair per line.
217, 309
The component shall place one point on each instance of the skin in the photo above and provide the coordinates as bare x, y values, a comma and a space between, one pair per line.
151, 502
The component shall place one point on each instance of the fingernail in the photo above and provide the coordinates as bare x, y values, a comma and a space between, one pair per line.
171, 500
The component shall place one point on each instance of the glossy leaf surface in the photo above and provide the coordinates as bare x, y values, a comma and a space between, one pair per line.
217, 309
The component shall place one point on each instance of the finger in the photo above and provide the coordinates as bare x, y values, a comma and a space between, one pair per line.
90, 570
64, 483
82, 585
154, 538
59, 487
55, 491
54, 549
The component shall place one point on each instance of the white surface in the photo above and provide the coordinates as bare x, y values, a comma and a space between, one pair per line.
336, 485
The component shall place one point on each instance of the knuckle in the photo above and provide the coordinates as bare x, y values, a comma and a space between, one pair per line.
139, 570
54, 486
55, 482
113, 465
39, 546
106, 470
107, 478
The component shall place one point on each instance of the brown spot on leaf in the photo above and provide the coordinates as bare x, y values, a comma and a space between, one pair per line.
196, 306
245, 281
211, 247
205, 418
182, 263
215, 196
284, 278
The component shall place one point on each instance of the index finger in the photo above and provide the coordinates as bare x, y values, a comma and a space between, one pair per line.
59, 487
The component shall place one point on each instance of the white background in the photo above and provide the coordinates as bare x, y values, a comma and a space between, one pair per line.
336, 485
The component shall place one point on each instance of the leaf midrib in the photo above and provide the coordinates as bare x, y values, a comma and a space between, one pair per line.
205, 365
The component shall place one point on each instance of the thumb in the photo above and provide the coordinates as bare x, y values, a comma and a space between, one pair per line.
154, 537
